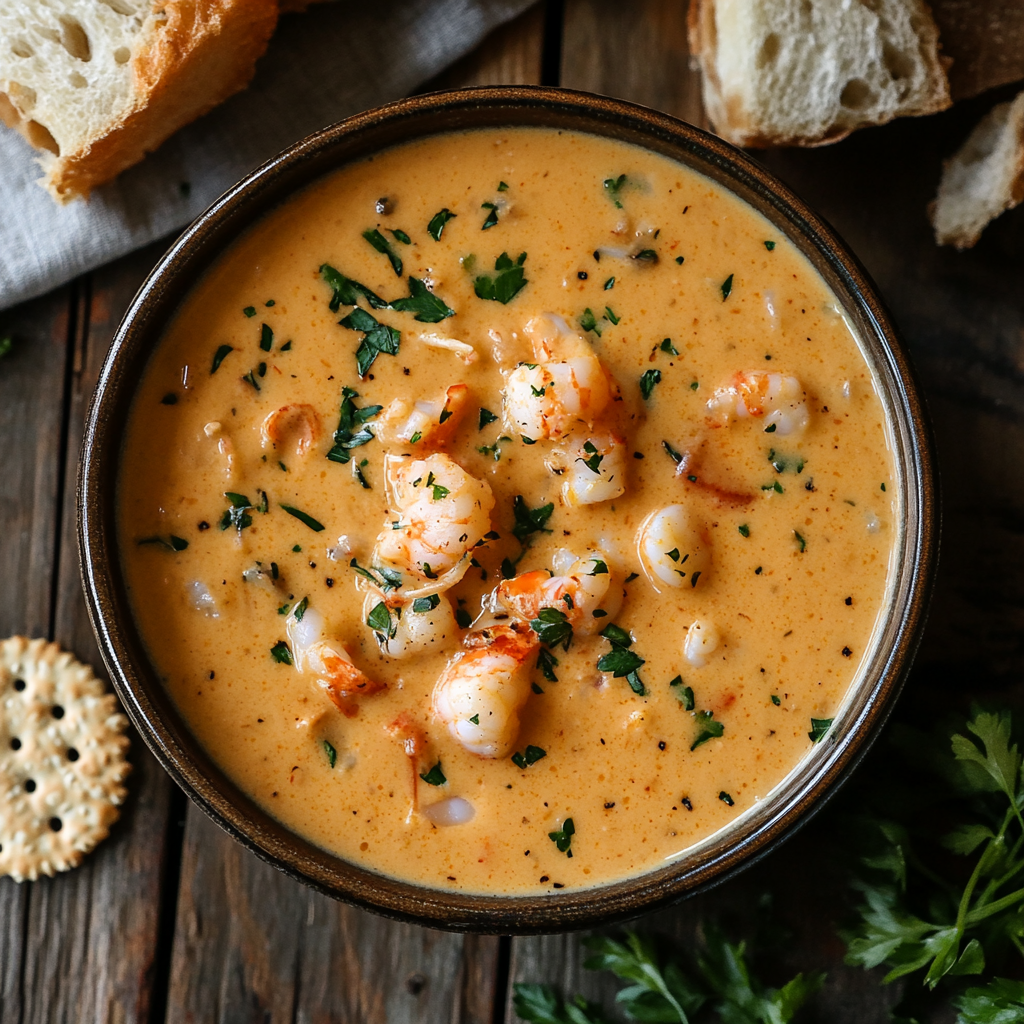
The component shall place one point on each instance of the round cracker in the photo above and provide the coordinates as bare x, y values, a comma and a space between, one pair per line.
62, 759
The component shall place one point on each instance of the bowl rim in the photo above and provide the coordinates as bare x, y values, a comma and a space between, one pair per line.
756, 832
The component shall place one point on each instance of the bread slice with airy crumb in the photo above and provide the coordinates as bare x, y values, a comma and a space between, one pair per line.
803, 73
983, 178
97, 84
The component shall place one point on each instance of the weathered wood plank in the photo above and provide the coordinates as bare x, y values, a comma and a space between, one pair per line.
251, 943
31, 406
636, 51
91, 934
985, 39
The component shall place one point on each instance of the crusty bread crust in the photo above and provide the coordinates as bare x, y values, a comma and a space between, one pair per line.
734, 124
205, 51
193, 55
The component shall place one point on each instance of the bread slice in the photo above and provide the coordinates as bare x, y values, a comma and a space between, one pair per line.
983, 178
808, 72
97, 84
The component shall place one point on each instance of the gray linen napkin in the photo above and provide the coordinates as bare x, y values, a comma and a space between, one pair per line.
326, 64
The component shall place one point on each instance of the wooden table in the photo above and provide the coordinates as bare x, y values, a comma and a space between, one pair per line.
170, 920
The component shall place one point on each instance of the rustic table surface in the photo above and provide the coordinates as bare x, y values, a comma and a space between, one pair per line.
171, 920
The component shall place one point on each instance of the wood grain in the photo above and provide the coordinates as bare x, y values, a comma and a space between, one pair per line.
91, 935
985, 39
636, 51
31, 413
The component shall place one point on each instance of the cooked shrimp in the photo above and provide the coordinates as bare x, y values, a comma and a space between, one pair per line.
296, 427
439, 513
430, 424
702, 640
597, 471
327, 659
781, 400
672, 549
480, 694
546, 399
585, 594
414, 742
460, 349
417, 626
225, 449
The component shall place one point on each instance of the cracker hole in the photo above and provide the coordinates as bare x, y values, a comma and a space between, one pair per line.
74, 39
122, 55
19, 685
30, 785
21, 49
56, 824
15, 743
77, 80
72, 754
57, 711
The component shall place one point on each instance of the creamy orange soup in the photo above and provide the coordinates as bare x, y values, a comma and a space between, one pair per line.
511, 510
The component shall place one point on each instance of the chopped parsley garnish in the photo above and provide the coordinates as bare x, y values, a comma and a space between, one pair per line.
508, 568
600, 568
437, 223
281, 654
819, 726
492, 217
300, 609
463, 618
667, 346
725, 798
377, 338
249, 311
383, 246
351, 433
486, 416
347, 291
769, 245
506, 283
428, 307
332, 754
595, 458
360, 477
609, 284
588, 322
494, 450
547, 663
171, 543
552, 628
680, 260
303, 517
439, 491
266, 338
775, 700
435, 777
218, 357
401, 236
800, 541
727, 287
613, 186
673, 454
530, 756
426, 604
777, 461
380, 621
563, 837
709, 728
646, 256
647, 381
684, 693
380, 575
238, 513
744, 530
502, 186
620, 660
773, 486
529, 520
476, 719
609, 314
264, 504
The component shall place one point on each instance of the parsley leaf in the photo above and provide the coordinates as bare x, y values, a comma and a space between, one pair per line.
562, 838
621, 661
486, 416
435, 777
538, 1004
588, 322
281, 653
351, 433
492, 217
400, 236
426, 604
218, 357
380, 621
428, 307
819, 727
727, 287
613, 187
377, 338
647, 381
1001, 1001
531, 756
437, 223
667, 346
237, 515
383, 246
547, 663
684, 693
506, 283
347, 291
552, 628
170, 542
303, 517
380, 575
529, 520
709, 728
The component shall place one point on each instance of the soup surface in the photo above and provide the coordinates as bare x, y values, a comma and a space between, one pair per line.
509, 511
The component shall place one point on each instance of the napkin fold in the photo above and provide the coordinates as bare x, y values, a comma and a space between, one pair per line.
322, 66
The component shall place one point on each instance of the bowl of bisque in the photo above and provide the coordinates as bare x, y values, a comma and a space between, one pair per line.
508, 510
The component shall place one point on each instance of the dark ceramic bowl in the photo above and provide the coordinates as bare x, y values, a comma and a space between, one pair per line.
150, 707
